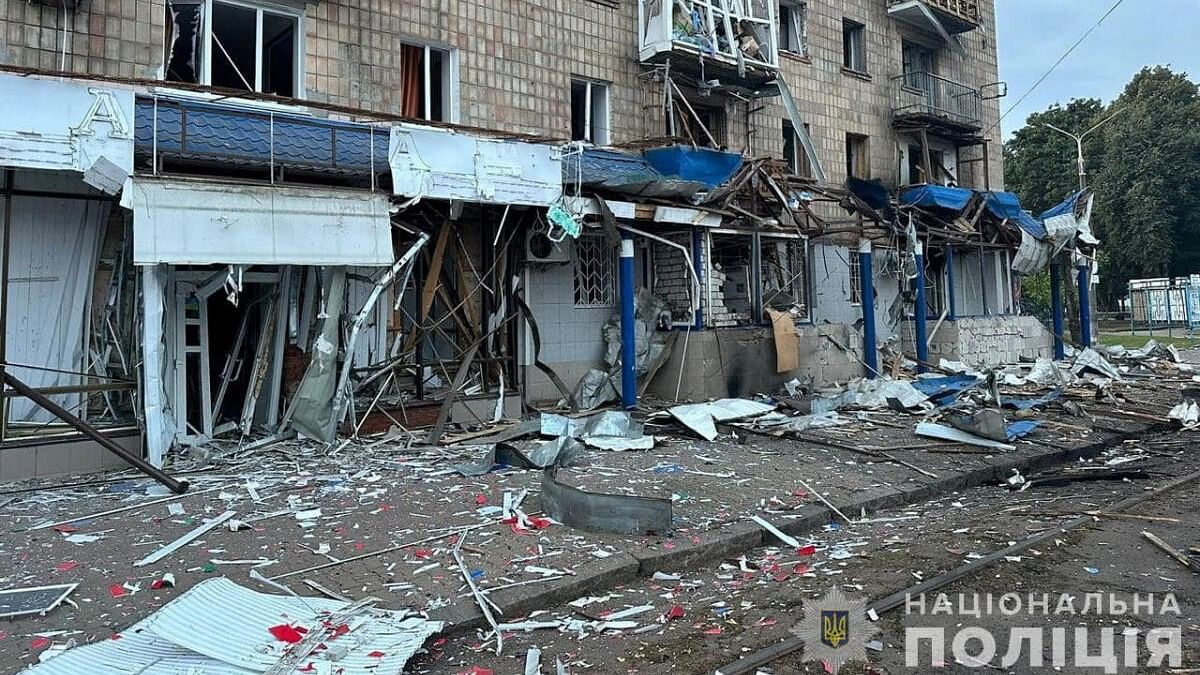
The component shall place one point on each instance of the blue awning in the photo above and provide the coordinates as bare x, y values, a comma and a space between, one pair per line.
1007, 205
624, 172
937, 196
1066, 206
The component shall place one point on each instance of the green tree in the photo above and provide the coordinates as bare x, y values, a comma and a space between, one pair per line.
1148, 190
1040, 167
1039, 162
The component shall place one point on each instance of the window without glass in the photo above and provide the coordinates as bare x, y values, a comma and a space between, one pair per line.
854, 45
589, 111
784, 264
426, 84
793, 150
919, 63
239, 46
793, 29
857, 159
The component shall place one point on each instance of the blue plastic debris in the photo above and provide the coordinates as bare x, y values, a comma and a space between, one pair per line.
704, 165
668, 468
1021, 429
1030, 402
948, 388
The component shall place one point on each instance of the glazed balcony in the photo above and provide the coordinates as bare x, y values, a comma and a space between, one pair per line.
955, 16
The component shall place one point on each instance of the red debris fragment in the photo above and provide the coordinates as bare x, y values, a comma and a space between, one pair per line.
476, 670
358, 546
39, 643
440, 641
66, 566
65, 528
801, 569
669, 545
340, 630
806, 550
310, 668
116, 590
376, 654
715, 630
676, 612
115, 636
764, 622
480, 499
423, 553
288, 634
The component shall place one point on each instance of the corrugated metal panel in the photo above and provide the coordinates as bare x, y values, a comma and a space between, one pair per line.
197, 222
220, 628
436, 163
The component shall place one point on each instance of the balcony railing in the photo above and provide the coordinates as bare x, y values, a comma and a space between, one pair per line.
926, 95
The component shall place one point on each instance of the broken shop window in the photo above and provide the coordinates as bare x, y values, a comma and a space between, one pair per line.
426, 83
589, 111
752, 273
669, 277
784, 264
239, 46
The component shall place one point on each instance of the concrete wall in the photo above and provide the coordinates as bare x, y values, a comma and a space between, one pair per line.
987, 341
831, 288
741, 362
516, 60
44, 458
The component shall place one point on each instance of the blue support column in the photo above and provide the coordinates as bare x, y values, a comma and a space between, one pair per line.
870, 347
952, 308
698, 263
628, 341
1056, 309
921, 313
1085, 303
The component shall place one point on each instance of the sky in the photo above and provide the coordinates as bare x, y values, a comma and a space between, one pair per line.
1032, 34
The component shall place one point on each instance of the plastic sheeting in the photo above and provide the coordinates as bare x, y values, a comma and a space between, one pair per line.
312, 408
704, 165
52, 266
937, 196
1007, 205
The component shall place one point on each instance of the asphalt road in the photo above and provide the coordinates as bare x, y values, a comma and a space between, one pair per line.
722, 612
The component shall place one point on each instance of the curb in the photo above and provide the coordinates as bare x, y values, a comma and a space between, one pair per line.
742, 536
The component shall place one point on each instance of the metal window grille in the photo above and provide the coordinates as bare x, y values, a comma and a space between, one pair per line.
595, 272
785, 274
855, 279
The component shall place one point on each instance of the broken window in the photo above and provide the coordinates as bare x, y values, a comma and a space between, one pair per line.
595, 271
857, 159
784, 264
240, 46
589, 111
855, 279
793, 150
426, 83
854, 46
793, 29
731, 288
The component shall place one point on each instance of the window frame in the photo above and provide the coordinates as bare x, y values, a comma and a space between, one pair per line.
450, 100
854, 46
589, 130
259, 8
858, 153
797, 159
803, 280
594, 241
854, 272
796, 29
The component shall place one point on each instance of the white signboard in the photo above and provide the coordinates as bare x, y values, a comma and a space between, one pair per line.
428, 162
46, 123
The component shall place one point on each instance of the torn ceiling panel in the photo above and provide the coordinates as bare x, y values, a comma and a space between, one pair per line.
189, 222
429, 162
51, 124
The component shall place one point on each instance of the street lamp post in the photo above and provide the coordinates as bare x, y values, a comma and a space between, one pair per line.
1085, 276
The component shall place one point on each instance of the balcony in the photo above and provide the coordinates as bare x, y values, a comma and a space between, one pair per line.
738, 39
953, 16
922, 99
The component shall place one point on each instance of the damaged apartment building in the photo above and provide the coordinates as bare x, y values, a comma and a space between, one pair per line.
230, 221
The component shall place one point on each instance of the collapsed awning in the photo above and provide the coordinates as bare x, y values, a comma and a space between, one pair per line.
190, 222
428, 162
1006, 205
937, 196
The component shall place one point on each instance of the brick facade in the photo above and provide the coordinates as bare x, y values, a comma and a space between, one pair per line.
515, 61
